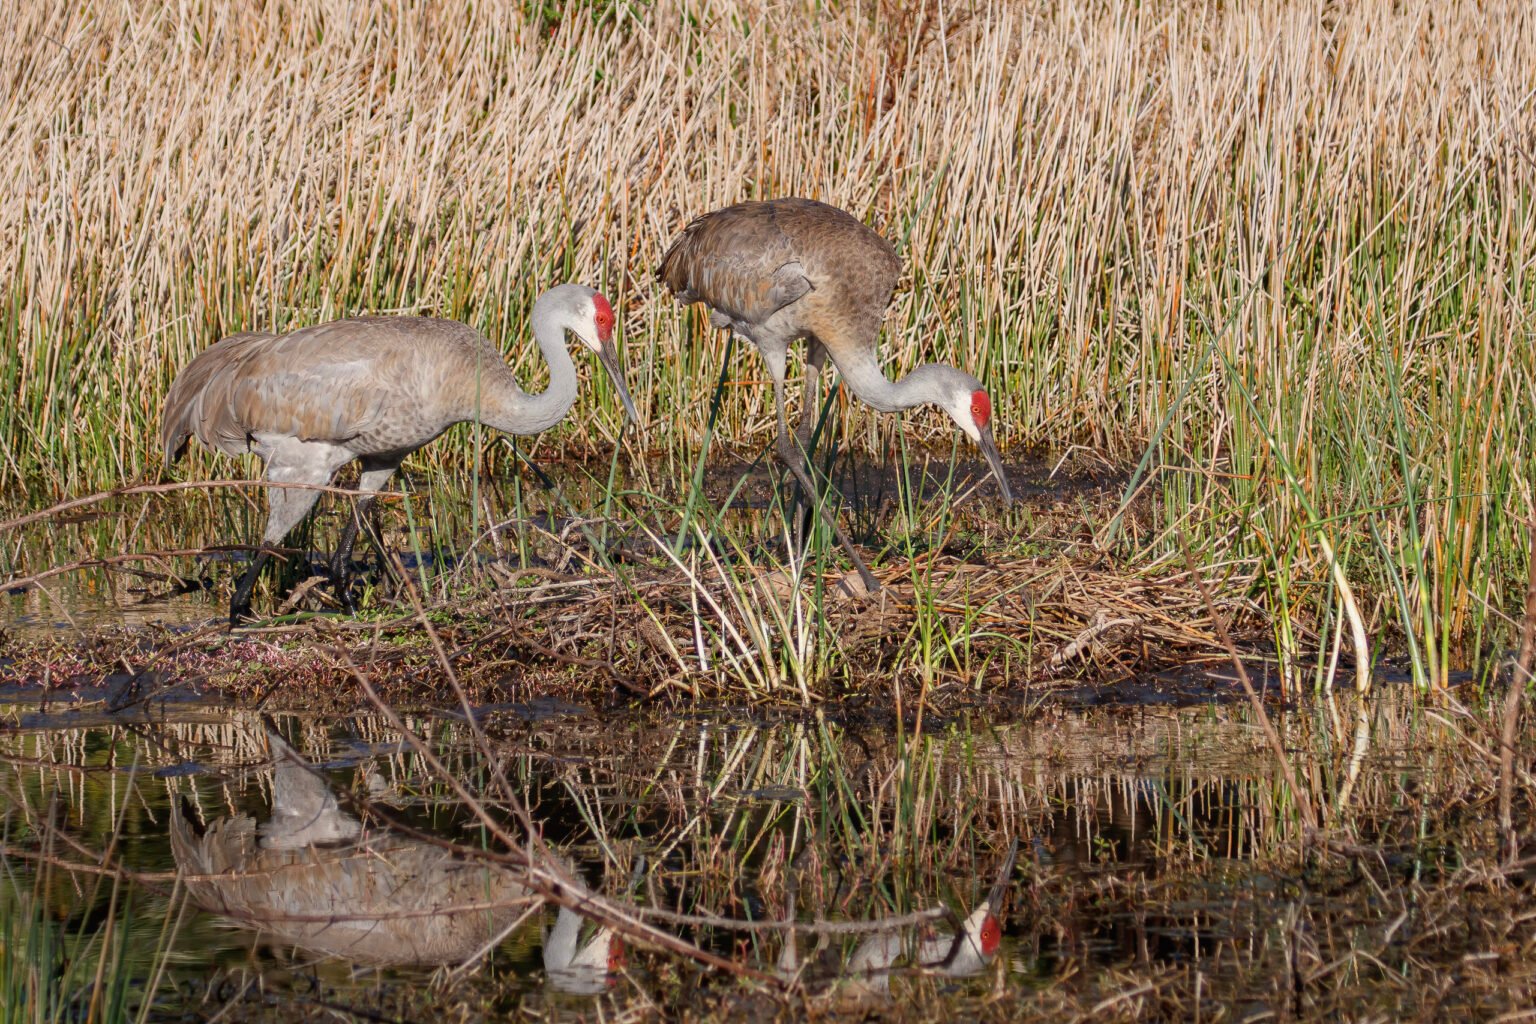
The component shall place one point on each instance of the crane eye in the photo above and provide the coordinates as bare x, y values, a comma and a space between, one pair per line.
602, 317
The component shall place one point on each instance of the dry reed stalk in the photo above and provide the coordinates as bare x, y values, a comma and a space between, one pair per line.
1519, 682
1070, 186
220, 168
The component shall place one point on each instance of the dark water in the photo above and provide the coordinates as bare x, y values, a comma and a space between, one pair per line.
711, 813
1151, 834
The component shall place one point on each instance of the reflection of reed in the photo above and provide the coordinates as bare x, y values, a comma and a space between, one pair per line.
1188, 780
875, 825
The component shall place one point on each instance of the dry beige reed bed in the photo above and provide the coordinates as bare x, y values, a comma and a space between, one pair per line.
1073, 185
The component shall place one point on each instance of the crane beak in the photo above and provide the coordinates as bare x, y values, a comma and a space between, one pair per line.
608, 355
995, 460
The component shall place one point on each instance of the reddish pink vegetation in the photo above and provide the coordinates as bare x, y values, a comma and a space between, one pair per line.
57, 668
981, 408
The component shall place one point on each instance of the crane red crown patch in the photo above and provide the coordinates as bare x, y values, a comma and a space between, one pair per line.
991, 930
602, 313
981, 408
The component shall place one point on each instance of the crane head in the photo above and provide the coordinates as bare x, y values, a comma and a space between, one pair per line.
990, 934
969, 406
592, 321
976, 944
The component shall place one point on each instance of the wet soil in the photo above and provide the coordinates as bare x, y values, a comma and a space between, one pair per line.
634, 605
547, 510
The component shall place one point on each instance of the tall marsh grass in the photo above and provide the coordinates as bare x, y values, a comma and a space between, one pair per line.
1287, 251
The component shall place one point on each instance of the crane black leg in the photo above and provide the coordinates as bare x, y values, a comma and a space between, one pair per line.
375, 475
811, 416
240, 604
341, 561
787, 456
810, 408
796, 465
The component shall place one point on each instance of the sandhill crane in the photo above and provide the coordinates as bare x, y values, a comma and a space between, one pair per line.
581, 967
959, 955
785, 269
314, 877
373, 389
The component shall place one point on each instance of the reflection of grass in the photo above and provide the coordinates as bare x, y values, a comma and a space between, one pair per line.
87, 945
1162, 853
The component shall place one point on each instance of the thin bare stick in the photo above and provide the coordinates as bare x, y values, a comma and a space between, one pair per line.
110, 561
543, 878
185, 485
816, 927
496, 940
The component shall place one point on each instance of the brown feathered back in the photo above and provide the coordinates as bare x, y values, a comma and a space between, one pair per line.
750, 260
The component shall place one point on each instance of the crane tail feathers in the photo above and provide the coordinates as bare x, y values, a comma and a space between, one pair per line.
186, 403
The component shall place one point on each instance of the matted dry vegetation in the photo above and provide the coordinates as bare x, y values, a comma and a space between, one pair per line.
949, 634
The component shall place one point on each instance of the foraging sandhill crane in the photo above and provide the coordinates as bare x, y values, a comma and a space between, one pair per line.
778, 271
960, 955
373, 389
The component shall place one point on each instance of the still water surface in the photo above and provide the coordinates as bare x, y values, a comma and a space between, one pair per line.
730, 814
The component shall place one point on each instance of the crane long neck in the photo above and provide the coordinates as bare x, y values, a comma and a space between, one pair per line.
517, 412
560, 945
870, 384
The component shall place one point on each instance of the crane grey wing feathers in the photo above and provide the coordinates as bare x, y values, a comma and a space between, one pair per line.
331, 382
736, 261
